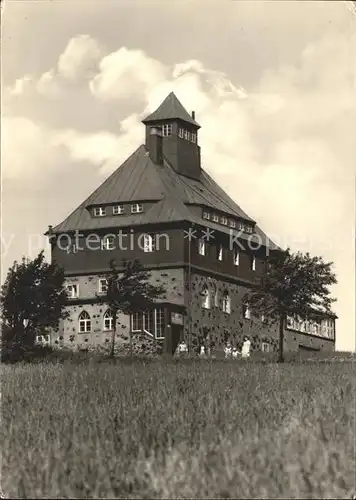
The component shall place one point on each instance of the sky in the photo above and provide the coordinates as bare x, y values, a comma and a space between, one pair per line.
273, 86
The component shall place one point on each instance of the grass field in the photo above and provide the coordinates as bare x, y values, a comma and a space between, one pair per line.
155, 429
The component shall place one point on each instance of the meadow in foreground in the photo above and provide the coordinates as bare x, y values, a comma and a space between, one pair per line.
178, 429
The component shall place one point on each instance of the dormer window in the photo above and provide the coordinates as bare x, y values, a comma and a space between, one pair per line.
136, 208
99, 211
166, 129
118, 209
224, 221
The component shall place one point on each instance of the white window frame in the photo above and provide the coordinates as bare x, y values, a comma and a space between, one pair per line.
226, 303
236, 257
108, 242
248, 229
135, 317
201, 246
241, 226
181, 133
186, 135
167, 129
156, 315
101, 286
205, 298
215, 218
220, 253
206, 215
232, 224
118, 209
149, 243
253, 263
265, 347
99, 211
86, 322
71, 294
224, 221
193, 137
136, 208
108, 317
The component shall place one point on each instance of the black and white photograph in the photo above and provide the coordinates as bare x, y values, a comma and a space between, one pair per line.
177, 300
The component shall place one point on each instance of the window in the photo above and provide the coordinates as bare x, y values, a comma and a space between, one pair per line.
224, 221
151, 321
205, 298
219, 252
84, 322
103, 285
246, 311
232, 223
241, 226
253, 263
160, 323
206, 215
137, 322
73, 291
226, 303
265, 347
248, 229
108, 321
166, 129
263, 318
118, 209
99, 211
201, 246
236, 257
46, 338
181, 132
149, 244
108, 242
215, 218
136, 208
186, 135
193, 137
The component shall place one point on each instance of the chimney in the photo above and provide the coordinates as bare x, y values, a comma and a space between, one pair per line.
155, 146
193, 115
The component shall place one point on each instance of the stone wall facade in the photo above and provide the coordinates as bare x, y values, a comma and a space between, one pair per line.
211, 327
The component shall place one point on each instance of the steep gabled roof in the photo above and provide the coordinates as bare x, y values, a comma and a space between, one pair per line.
171, 108
139, 179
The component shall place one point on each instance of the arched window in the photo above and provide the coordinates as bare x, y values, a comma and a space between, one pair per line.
84, 322
226, 303
205, 298
148, 243
108, 320
108, 242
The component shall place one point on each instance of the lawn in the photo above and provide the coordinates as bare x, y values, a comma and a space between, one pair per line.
160, 429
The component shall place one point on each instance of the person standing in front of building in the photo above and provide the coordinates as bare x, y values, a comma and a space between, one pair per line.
246, 346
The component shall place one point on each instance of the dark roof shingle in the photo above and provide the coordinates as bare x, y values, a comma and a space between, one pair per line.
171, 108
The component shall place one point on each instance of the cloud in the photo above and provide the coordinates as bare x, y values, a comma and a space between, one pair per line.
284, 148
80, 58
127, 74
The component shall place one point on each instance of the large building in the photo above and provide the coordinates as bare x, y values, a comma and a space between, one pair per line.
162, 208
